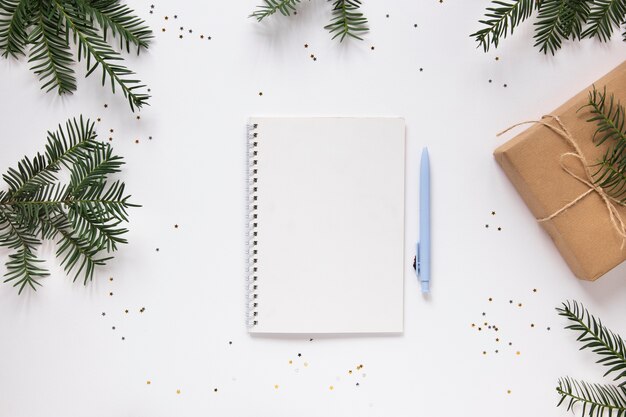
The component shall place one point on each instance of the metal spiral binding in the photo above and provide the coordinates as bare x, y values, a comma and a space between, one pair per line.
251, 233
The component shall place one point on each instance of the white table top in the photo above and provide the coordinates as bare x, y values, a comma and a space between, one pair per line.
59, 355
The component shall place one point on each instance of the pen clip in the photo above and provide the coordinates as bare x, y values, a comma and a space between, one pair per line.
417, 260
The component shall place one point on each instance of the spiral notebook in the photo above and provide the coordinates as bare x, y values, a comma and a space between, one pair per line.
326, 225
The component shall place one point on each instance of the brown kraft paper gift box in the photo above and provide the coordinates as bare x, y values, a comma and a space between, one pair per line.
584, 233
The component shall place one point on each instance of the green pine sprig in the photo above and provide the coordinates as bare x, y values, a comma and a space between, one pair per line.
596, 400
269, 7
609, 116
347, 20
502, 18
84, 216
50, 31
557, 20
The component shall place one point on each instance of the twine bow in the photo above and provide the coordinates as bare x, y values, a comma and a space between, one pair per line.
610, 202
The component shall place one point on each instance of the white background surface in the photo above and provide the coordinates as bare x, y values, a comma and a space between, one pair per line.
60, 357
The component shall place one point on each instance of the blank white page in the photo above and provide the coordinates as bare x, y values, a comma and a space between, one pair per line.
330, 225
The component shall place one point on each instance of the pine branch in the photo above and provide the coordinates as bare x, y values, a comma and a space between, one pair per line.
558, 20
98, 53
65, 147
285, 7
47, 26
93, 169
51, 55
84, 216
609, 117
595, 336
596, 399
23, 268
78, 253
501, 19
605, 15
14, 21
347, 20
119, 20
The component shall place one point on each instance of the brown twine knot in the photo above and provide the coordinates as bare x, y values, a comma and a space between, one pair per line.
610, 202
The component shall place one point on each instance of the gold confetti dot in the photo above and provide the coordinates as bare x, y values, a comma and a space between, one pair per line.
331, 388
276, 386
518, 353
177, 391
148, 382
508, 391
290, 362
306, 364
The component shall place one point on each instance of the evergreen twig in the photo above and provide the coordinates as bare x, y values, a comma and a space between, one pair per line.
609, 116
557, 20
347, 20
47, 26
596, 400
84, 216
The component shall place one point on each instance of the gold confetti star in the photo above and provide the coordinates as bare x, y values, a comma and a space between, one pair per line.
177, 391
331, 388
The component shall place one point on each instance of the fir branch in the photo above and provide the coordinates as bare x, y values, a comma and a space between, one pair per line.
97, 53
84, 216
119, 20
51, 55
65, 147
605, 15
596, 399
347, 20
501, 19
595, 336
285, 7
48, 25
23, 268
558, 20
14, 21
609, 117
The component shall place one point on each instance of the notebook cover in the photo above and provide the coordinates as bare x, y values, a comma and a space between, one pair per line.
326, 236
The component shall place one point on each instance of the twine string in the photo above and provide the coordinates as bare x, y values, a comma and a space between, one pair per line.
610, 202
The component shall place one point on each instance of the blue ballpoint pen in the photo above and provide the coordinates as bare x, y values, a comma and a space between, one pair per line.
422, 269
